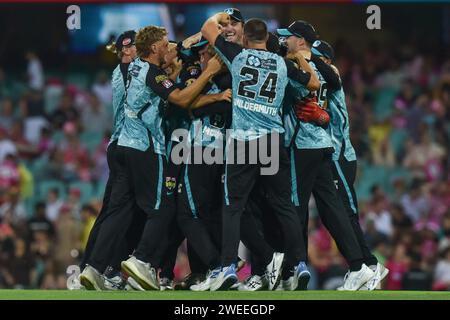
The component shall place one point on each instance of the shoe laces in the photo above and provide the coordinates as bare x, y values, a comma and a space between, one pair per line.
252, 281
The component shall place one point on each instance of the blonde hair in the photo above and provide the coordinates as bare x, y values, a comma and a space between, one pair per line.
146, 37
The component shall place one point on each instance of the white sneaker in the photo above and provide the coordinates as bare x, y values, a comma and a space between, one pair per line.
91, 279
273, 270
280, 286
142, 272
224, 279
253, 283
236, 285
205, 285
379, 274
114, 283
299, 280
132, 285
290, 284
356, 279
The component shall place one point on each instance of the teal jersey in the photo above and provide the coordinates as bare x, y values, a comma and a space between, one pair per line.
259, 80
308, 135
147, 91
339, 126
118, 99
208, 130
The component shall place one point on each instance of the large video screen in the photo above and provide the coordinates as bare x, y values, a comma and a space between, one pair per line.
101, 22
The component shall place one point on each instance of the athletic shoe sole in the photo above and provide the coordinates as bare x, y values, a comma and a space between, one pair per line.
303, 280
226, 284
88, 284
131, 270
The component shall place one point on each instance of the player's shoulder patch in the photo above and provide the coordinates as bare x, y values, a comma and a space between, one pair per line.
164, 80
167, 83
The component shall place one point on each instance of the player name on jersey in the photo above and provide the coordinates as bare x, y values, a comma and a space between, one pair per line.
253, 106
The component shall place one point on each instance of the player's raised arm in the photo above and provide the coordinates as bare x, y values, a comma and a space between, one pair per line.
185, 97
211, 32
305, 75
211, 29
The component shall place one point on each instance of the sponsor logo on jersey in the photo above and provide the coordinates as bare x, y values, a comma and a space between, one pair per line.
135, 71
254, 61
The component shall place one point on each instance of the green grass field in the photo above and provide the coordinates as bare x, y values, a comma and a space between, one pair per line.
226, 295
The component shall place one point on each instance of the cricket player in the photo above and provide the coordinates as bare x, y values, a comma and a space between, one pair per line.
345, 164
142, 144
125, 48
310, 151
259, 78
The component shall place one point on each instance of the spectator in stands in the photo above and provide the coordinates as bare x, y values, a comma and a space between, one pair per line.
95, 117
417, 277
381, 217
34, 117
102, 89
7, 116
442, 271
444, 233
398, 265
18, 272
7, 147
46, 143
67, 244
65, 112
74, 203
39, 224
75, 155
414, 202
101, 169
13, 210
35, 71
9, 173
25, 149
54, 205
88, 216
425, 158
400, 221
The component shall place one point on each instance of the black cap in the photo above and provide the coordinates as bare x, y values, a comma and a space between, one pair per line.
301, 29
125, 39
273, 45
235, 14
323, 48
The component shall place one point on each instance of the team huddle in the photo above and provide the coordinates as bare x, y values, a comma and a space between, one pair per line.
221, 94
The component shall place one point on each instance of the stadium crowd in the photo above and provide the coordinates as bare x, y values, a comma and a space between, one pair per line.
54, 132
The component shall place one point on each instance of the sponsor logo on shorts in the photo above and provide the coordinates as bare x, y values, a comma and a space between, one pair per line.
171, 183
